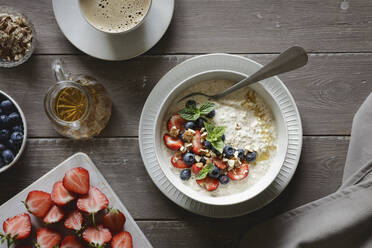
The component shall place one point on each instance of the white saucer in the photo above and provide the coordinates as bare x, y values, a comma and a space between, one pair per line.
218, 62
113, 47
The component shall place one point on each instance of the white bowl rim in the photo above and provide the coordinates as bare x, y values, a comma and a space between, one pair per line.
24, 122
222, 199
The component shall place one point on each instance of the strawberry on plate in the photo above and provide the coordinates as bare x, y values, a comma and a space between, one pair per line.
239, 173
196, 169
60, 195
93, 202
71, 242
114, 220
76, 181
38, 203
46, 238
172, 143
97, 236
54, 215
177, 161
209, 183
219, 163
196, 142
74, 221
175, 121
122, 240
16, 228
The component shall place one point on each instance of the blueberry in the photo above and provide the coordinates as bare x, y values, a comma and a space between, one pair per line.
14, 118
207, 144
189, 158
8, 156
189, 125
223, 137
190, 104
7, 106
203, 160
185, 174
2, 147
17, 138
241, 153
4, 134
215, 173
1, 111
18, 128
4, 121
229, 151
200, 122
211, 114
2, 163
224, 179
251, 156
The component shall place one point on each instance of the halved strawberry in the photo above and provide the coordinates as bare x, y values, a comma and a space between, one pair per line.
38, 203
209, 183
97, 236
76, 181
60, 195
177, 161
93, 202
219, 163
46, 238
16, 228
71, 242
172, 143
239, 173
54, 215
175, 121
114, 220
196, 142
196, 169
122, 240
74, 221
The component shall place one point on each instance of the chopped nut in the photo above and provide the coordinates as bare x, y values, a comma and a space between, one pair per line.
204, 151
188, 135
174, 131
237, 126
183, 149
213, 154
188, 145
236, 154
231, 163
197, 158
209, 161
202, 129
205, 134
225, 160
199, 165
191, 131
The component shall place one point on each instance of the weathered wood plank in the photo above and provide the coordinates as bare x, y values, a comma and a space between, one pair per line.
237, 26
328, 90
319, 173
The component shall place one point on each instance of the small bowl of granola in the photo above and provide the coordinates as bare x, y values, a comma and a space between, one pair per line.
17, 37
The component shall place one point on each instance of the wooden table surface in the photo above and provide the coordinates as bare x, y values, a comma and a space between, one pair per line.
328, 91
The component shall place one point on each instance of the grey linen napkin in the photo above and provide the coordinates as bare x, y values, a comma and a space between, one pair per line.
342, 219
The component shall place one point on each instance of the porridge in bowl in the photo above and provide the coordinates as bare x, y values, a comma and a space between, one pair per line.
220, 147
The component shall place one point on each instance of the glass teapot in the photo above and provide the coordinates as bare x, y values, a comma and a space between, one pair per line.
78, 106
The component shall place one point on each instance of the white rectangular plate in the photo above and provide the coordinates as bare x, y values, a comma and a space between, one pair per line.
15, 206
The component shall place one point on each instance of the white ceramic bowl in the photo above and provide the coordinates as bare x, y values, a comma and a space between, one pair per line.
254, 190
18, 155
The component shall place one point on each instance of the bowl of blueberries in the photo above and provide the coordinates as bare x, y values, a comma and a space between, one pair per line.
13, 132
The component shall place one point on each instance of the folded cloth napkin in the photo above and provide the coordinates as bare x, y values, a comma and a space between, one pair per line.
342, 219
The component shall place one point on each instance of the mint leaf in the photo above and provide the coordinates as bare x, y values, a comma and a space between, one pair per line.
207, 107
189, 114
218, 145
209, 127
204, 172
214, 134
219, 131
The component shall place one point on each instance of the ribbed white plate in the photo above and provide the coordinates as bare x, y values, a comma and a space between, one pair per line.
15, 206
219, 62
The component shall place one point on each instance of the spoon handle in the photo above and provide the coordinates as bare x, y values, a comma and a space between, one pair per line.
292, 58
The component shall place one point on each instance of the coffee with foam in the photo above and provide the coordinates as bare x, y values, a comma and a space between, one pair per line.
114, 16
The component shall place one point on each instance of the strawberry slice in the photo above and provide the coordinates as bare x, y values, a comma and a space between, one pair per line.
54, 215
93, 202
122, 240
60, 195
196, 169
239, 173
219, 163
114, 220
38, 203
46, 238
16, 228
74, 221
175, 121
196, 142
177, 161
209, 183
71, 242
97, 236
172, 143
76, 181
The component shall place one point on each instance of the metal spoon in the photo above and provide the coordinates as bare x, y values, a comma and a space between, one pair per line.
291, 59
